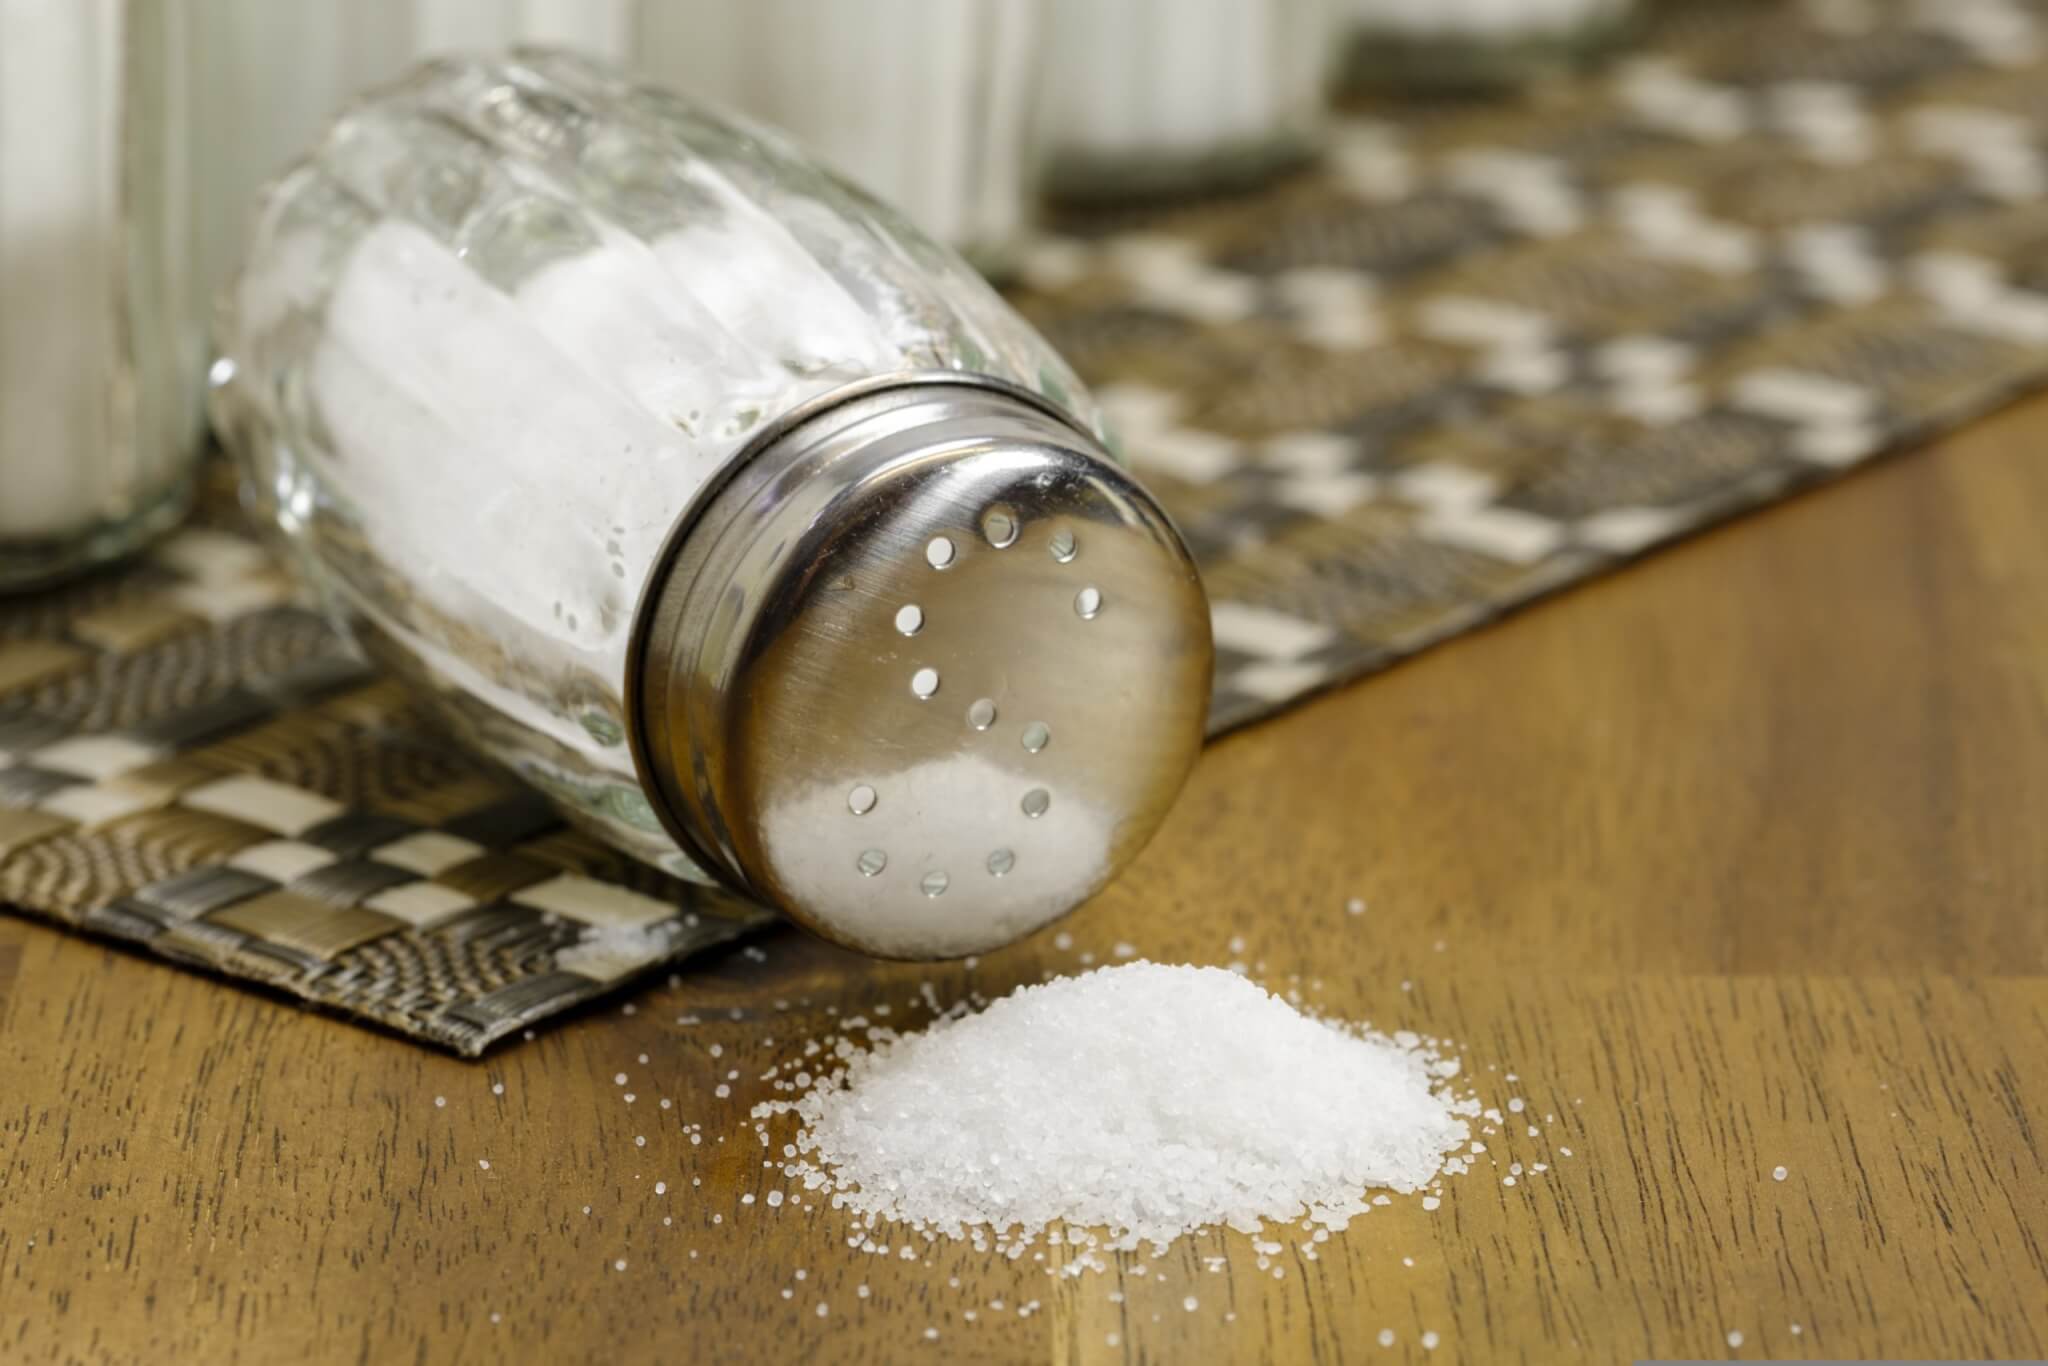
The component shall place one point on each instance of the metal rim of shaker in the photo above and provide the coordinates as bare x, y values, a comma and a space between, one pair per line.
693, 512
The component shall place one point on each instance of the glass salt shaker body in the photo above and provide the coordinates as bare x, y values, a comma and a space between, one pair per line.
100, 364
1164, 97
716, 501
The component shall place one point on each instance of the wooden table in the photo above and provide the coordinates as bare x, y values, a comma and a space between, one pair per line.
1737, 859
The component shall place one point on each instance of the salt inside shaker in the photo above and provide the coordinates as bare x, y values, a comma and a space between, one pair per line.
717, 501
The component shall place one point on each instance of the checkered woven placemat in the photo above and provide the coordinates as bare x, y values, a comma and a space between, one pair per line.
1480, 353
1487, 351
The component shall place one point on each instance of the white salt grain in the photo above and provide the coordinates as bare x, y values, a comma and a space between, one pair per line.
440, 1101
661, 1188
1355, 906
1146, 1099
483, 1163
1386, 1337
1779, 1173
619, 1265
1191, 1304
1734, 1337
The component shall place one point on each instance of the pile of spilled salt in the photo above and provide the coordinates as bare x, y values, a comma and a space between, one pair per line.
1145, 1100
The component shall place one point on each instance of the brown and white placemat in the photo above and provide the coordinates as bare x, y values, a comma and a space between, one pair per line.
1480, 353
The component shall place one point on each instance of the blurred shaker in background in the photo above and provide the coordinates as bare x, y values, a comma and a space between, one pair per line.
1177, 96
926, 103
717, 501
100, 376
1471, 44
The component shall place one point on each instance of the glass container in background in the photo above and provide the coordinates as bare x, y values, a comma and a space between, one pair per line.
1475, 45
100, 378
1159, 97
928, 105
717, 501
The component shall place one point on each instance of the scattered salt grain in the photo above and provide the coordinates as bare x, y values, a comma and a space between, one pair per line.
1191, 1304
619, 1079
609, 952
497, 1088
661, 1188
619, 1265
1429, 1342
484, 1163
1797, 1330
1355, 906
1734, 1337
1386, 1337
823, 1309
774, 1199
440, 1101
1146, 1099
1779, 1173
1430, 1202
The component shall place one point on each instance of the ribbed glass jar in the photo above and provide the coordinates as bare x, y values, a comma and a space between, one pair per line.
506, 323
927, 105
1161, 97
1473, 45
100, 414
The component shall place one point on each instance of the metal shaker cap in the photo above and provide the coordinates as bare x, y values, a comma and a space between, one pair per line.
924, 672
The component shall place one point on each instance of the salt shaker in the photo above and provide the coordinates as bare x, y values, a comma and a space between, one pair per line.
1146, 97
100, 364
715, 500
1472, 44
947, 137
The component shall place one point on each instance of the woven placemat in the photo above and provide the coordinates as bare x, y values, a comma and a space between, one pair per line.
1480, 353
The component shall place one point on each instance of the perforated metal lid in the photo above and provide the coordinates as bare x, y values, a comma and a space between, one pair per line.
926, 671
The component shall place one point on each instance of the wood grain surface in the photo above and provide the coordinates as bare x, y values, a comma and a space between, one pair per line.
1734, 860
